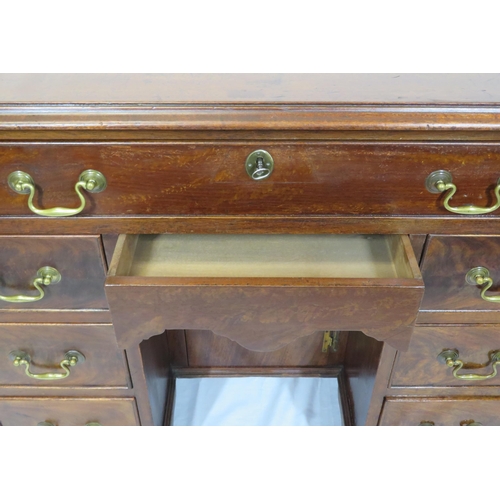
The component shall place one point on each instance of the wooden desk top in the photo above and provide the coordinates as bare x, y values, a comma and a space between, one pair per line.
164, 89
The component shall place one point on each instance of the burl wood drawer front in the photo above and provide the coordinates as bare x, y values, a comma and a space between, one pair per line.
434, 411
104, 365
309, 178
420, 366
264, 291
68, 411
448, 297
78, 259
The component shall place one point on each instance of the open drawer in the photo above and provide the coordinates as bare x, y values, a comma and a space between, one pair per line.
264, 291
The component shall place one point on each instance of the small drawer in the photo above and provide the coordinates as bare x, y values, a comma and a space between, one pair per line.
435, 411
68, 411
309, 178
45, 347
424, 364
264, 291
449, 296
79, 261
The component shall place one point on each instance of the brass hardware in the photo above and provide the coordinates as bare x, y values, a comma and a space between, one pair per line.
259, 165
71, 358
481, 276
50, 424
441, 181
465, 422
450, 357
330, 341
90, 180
45, 276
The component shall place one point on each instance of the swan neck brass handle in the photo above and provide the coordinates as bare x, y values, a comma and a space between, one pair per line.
45, 276
90, 180
481, 276
71, 358
441, 181
465, 422
48, 423
450, 357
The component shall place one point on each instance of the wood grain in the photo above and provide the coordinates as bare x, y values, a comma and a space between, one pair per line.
419, 366
459, 411
68, 411
201, 179
446, 263
401, 88
362, 356
104, 367
206, 349
79, 259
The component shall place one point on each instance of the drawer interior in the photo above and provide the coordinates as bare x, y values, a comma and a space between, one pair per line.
264, 256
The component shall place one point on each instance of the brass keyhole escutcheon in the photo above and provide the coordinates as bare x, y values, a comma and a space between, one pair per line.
259, 165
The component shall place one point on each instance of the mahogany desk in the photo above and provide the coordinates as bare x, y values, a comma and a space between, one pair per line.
361, 211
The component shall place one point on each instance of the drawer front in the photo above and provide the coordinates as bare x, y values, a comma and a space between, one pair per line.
68, 411
104, 365
421, 367
434, 411
264, 291
448, 296
78, 259
309, 178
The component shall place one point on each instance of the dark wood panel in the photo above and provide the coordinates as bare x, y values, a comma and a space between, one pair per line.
55, 316
210, 179
47, 344
109, 244
362, 356
419, 366
239, 313
68, 411
79, 259
206, 349
28, 225
155, 358
446, 262
418, 242
485, 411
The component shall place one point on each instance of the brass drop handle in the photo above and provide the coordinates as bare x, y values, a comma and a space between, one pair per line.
481, 276
71, 358
450, 357
466, 423
441, 181
48, 423
45, 276
90, 180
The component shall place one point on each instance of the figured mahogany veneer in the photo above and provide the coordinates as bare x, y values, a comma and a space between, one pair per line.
448, 298
68, 411
419, 366
79, 259
440, 411
104, 366
351, 152
209, 178
263, 310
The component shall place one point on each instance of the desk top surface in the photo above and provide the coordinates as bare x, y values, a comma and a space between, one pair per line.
165, 89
